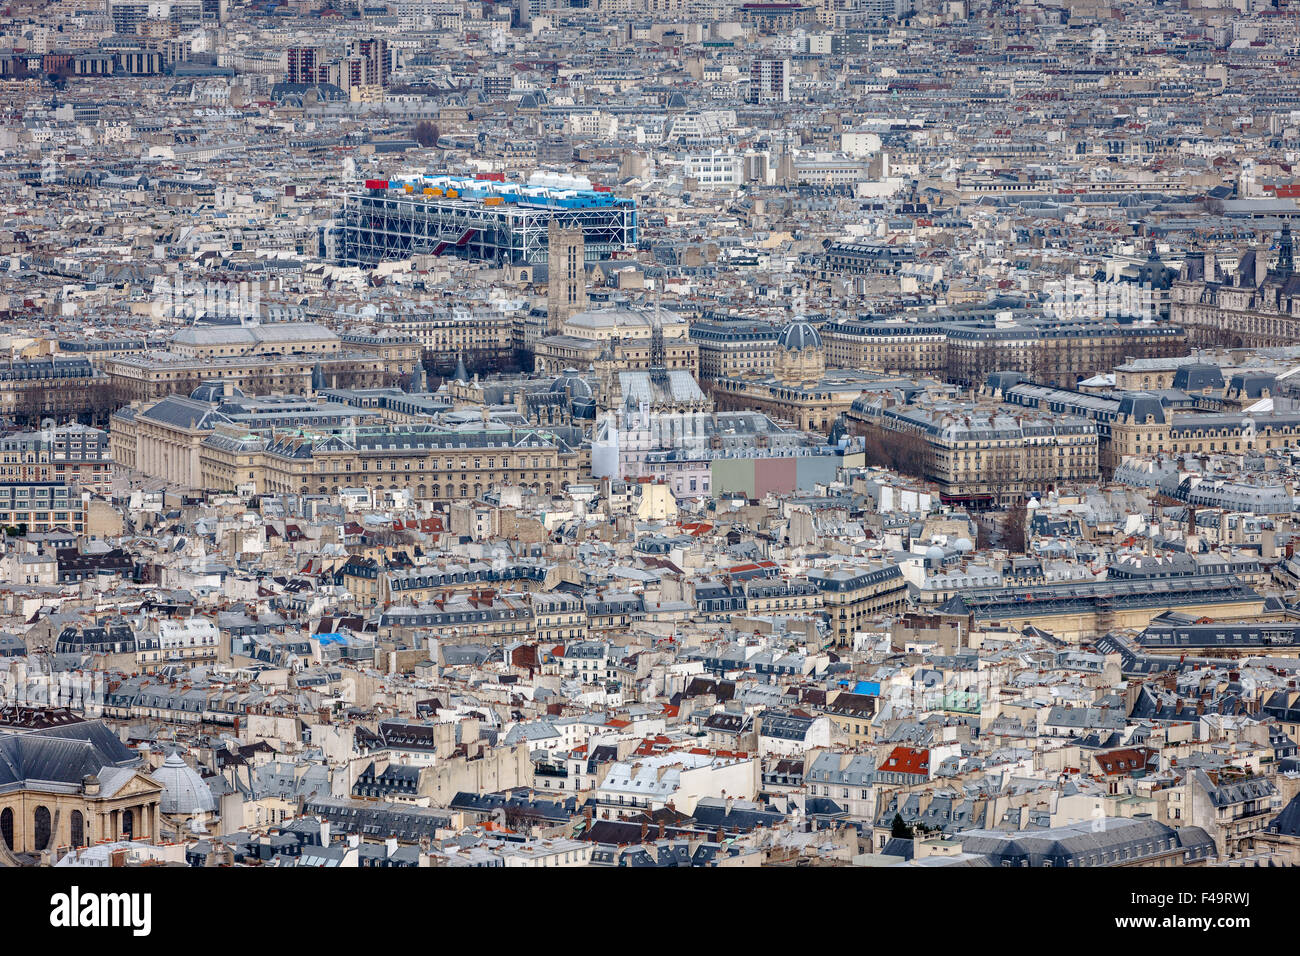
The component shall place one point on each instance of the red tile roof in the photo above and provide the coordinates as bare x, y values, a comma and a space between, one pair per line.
738, 754
751, 567
653, 745
1126, 761
907, 760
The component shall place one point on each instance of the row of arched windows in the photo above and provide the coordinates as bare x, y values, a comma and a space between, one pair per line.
43, 828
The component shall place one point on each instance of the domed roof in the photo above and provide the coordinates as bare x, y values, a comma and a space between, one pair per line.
934, 553
799, 335
574, 382
965, 545
184, 791
214, 392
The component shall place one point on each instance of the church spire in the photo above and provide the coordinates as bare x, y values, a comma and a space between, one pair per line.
658, 359
419, 380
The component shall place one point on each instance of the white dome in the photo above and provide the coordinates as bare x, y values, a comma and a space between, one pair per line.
934, 552
184, 791
1033, 503
965, 545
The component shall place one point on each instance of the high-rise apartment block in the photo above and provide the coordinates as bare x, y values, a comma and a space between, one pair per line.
769, 81
303, 65
369, 63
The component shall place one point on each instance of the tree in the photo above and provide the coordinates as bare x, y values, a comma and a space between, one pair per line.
520, 819
904, 452
1013, 527
426, 134
1220, 337
900, 829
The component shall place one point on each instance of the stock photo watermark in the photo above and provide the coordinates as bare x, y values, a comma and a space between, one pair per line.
203, 299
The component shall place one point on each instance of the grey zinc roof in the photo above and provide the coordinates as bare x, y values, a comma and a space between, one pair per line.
1236, 792
641, 386
60, 761
784, 726
184, 413
859, 771
1099, 842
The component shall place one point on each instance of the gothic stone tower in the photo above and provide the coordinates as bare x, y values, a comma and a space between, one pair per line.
566, 285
